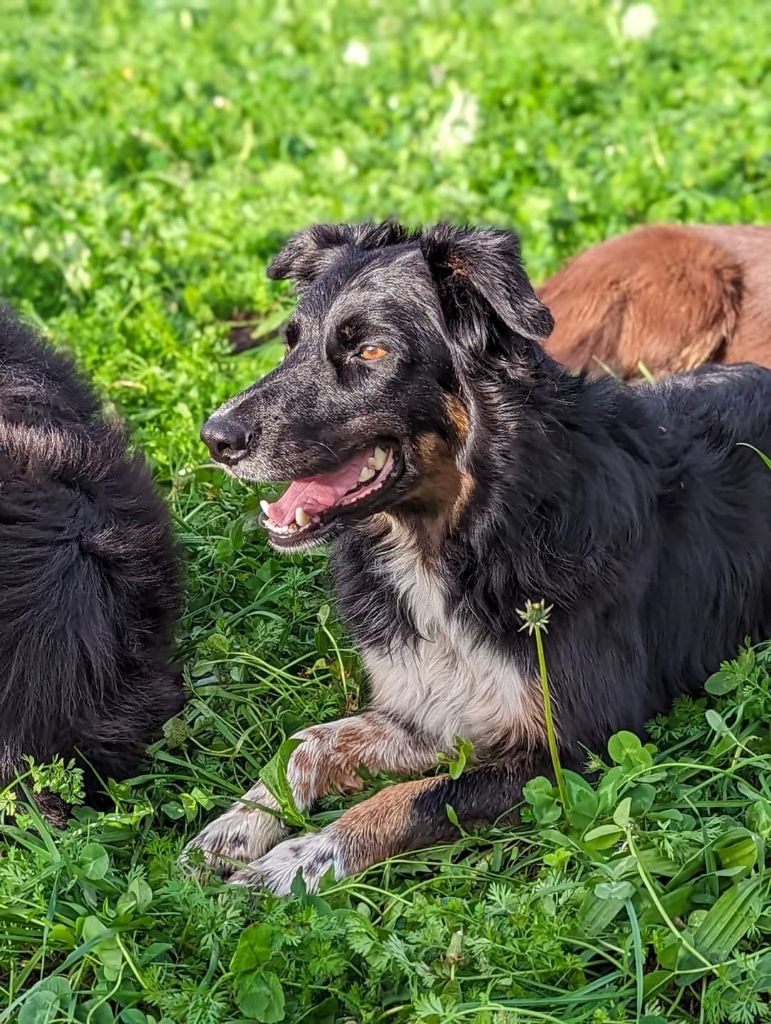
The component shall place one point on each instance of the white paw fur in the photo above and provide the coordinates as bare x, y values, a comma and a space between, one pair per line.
314, 854
239, 836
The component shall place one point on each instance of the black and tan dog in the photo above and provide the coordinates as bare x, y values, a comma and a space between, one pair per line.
460, 471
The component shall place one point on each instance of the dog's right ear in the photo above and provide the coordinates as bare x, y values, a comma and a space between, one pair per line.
315, 250
478, 271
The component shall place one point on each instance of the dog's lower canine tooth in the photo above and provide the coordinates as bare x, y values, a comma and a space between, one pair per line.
366, 474
265, 506
379, 458
301, 517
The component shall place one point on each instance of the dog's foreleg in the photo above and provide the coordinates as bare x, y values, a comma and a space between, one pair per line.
396, 820
327, 761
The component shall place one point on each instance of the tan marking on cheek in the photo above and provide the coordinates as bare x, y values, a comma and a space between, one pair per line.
458, 417
432, 451
464, 497
440, 476
444, 487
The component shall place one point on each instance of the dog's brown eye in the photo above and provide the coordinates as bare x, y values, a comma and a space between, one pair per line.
371, 352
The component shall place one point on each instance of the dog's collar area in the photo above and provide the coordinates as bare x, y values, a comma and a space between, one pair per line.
310, 503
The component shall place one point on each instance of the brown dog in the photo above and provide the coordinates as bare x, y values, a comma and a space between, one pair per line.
669, 296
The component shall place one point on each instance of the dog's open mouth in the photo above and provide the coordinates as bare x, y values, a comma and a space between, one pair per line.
312, 503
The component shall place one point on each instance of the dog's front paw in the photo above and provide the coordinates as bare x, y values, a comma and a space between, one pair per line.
314, 854
239, 836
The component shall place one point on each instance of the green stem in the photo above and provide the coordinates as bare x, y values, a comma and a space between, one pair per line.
662, 912
550, 733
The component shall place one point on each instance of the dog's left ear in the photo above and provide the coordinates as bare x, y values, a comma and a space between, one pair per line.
479, 270
312, 252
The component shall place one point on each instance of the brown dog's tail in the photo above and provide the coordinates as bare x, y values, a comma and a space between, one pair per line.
664, 296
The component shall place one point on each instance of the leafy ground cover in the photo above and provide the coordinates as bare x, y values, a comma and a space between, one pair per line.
153, 154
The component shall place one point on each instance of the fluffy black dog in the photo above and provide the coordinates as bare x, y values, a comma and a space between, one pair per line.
460, 472
89, 582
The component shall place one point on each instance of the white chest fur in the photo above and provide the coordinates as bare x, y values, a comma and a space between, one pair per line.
450, 682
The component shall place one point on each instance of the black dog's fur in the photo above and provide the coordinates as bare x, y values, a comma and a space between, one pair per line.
634, 512
89, 584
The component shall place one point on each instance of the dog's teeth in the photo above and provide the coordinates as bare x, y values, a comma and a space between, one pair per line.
371, 463
265, 506
366, 474
379, 459
301, 517
292, 528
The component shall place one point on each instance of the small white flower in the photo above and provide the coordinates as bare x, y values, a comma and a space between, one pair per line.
220, 102
458, 127
356, 53
639, 21
339, 161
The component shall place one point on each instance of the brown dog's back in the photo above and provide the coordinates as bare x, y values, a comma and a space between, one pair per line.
671, 297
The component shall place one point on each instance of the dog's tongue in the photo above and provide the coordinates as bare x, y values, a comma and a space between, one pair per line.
316, 494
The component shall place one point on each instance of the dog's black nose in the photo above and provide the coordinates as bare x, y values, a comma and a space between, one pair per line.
227, 439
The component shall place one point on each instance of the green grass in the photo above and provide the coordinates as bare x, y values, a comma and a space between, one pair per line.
153, 155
